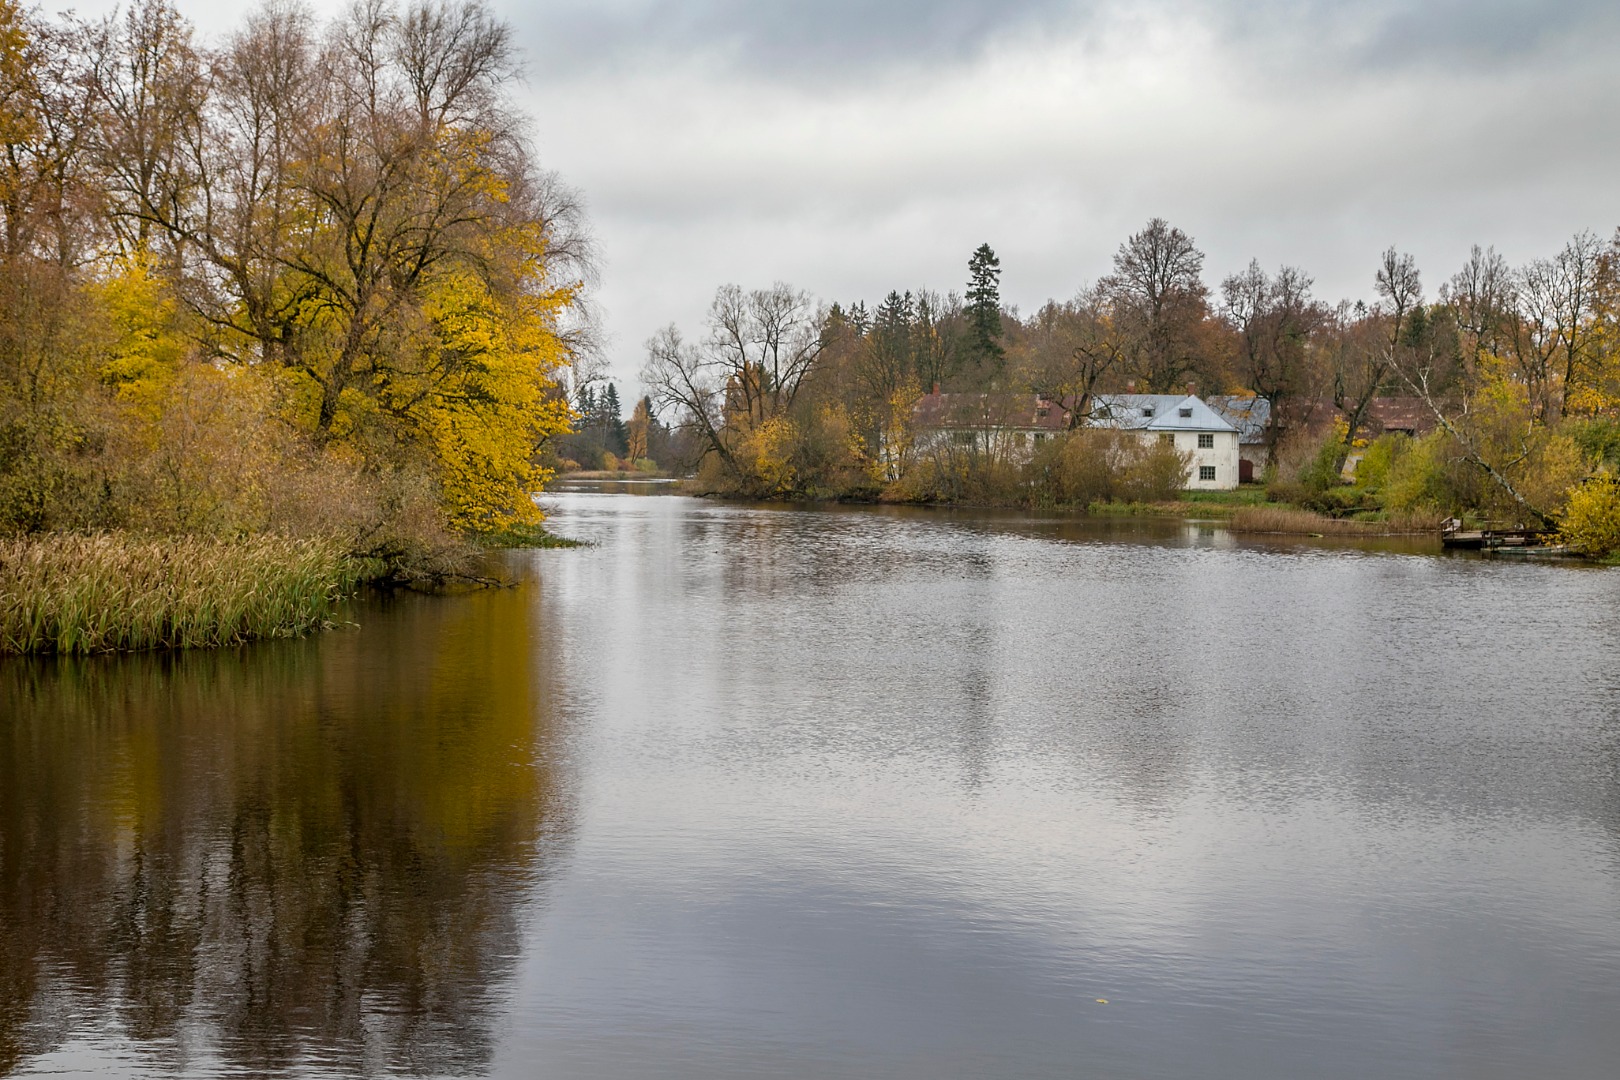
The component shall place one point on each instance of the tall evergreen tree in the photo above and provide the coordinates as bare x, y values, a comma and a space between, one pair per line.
614, 436
984, 307
859, 318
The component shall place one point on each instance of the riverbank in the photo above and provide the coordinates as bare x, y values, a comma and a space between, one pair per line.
1244, 510
74, 594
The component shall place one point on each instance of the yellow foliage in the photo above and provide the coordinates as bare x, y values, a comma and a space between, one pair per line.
147, 342
487, 401
772, 443
1591, 522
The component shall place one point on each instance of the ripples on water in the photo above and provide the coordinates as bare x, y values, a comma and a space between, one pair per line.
740, 792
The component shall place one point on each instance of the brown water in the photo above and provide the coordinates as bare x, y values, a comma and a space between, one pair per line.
743, 792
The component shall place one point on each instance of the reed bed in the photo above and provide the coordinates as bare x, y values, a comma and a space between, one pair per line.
113, 592
1283, 520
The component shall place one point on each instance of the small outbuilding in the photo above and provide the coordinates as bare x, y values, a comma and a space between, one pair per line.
1251, 415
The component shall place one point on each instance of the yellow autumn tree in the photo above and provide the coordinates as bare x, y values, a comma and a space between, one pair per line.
491, 400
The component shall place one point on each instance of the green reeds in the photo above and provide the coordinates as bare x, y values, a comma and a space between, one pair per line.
114, 592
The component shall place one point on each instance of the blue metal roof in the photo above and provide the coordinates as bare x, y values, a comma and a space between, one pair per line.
1157, 412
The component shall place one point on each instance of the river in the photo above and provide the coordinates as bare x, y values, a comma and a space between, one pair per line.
762, 792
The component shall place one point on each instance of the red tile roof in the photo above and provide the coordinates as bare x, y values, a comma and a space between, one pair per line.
1017, 412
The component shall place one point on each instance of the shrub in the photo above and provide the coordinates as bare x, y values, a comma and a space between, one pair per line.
1590, 522
1325, 468
1287, 491
1103, 465
1372, 472
1424, 476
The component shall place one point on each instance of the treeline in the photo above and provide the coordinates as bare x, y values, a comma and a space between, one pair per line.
602, 439
306, 279
1519, 367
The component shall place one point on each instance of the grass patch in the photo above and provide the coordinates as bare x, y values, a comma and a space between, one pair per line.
115, 592
526, 536
1197, 504
1248, 495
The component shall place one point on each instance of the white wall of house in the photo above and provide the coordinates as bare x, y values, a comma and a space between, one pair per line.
1016, 445
1221, 455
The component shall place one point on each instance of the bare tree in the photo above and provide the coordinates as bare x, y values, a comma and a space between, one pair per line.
1159, 301
938, 333
765, 343
1274, 320
151, 88
1364, 362
1558, 326
681, 380
1482, 298
1070, 350
761, 348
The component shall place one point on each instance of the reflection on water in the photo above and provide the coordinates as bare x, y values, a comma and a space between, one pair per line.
739, 792
302, 853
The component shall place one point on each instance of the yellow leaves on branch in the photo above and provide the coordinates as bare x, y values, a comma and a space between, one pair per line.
1590, 522
148, 341
492, 398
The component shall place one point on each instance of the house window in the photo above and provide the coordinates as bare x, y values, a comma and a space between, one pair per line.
1147, 410
1206, 472
962, 438
1206, 442
1167, 438
1040, 437
1185, 413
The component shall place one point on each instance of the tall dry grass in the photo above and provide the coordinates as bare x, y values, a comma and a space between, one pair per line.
116, 592
1284, 520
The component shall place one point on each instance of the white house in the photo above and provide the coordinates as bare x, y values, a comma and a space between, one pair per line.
1183, 421
1001, 425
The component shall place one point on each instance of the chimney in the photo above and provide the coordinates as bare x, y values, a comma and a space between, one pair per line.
1192, 389
936, 389
1130, 386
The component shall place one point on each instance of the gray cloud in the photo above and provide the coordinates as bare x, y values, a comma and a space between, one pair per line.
791, 39
852, 148
798, 39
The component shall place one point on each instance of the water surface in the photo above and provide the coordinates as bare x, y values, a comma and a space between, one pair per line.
741, 792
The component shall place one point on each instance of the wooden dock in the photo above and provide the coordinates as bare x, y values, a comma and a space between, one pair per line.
1453, 535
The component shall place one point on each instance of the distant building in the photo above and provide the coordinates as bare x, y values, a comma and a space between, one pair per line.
1185, 422
1251, 416
1011, 426
1398, 416
1008, 426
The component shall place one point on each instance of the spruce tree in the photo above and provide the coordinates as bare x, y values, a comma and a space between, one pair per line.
984, 307
613, 433
859, 318
585, 405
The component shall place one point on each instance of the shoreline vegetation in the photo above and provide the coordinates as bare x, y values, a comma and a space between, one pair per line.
1493, 399
77, 595
287, 313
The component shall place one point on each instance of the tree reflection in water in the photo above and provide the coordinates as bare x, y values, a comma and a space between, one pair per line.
310, 852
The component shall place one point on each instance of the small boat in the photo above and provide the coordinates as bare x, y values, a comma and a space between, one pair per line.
1534, 551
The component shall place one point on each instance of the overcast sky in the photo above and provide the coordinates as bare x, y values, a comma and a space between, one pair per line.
851, 148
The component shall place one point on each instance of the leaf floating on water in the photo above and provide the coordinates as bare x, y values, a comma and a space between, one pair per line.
1102, 1001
